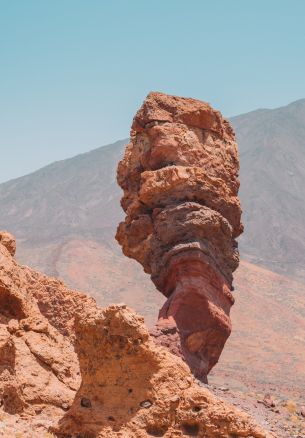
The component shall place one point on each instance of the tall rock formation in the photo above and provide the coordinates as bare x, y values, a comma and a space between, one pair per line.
72, 369
180, 180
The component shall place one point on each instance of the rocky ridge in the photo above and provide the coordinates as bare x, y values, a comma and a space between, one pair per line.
69, 368
180, 180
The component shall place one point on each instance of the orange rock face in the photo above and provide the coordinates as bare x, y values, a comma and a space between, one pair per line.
180, 181
7, 240
39, 369
68, 368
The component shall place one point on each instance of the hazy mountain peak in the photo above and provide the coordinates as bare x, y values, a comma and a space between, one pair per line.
80, 194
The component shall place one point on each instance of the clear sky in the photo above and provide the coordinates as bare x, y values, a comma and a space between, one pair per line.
73, 72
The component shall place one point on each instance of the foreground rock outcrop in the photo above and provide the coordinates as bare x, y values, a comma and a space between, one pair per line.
180, 181
73, 369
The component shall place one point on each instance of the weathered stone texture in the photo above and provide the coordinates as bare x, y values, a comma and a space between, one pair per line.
180, 180
72, 369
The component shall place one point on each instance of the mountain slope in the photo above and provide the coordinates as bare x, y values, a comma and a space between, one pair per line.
272, 155
65, 215
66, 197
80, 195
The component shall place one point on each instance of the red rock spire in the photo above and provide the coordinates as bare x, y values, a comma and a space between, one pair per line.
180, 180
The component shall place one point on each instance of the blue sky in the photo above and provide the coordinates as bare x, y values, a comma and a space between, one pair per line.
73, 72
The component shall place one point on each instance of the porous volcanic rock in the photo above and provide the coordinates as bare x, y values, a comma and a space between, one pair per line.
7, 240
133, 388
72, 369
180, 180
39, 369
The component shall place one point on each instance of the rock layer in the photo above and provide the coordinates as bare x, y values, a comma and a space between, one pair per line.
180, 180
72, 369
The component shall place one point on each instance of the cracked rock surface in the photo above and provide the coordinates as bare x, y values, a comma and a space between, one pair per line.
180, 180
71, 369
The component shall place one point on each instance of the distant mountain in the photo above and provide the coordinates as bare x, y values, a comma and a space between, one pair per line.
272, 155
80, 196
77, 195
65, 215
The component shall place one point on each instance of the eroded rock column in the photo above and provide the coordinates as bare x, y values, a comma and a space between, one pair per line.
180, 180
